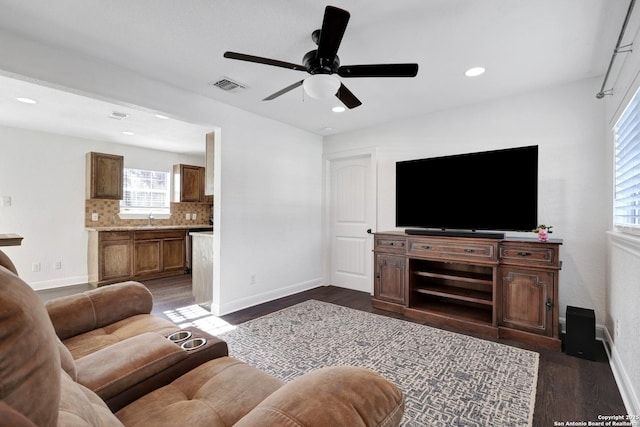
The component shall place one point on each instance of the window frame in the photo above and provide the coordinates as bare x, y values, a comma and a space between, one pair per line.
136, 212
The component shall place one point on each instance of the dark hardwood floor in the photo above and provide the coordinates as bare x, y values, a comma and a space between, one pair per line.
569, 388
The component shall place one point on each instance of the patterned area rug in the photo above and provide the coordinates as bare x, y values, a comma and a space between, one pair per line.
448, 379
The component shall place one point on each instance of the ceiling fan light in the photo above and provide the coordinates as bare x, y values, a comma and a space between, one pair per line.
321, 86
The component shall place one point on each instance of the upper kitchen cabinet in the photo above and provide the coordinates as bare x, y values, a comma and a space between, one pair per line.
188, 183
104, 176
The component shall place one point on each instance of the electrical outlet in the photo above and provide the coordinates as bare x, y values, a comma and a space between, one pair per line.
187, 216
6, 201
252, 279
94, 216
193, 216
35, 267
618, 327
57, 265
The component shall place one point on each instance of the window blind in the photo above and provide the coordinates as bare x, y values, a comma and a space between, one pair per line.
145, 190
627, 166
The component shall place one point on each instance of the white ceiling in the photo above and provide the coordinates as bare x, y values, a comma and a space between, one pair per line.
524, 45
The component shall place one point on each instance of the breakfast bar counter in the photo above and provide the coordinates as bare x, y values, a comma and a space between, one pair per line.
202, 267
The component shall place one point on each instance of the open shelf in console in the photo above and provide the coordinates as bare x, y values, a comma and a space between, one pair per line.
455, 290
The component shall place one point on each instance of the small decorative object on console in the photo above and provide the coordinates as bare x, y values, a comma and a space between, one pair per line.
543, 232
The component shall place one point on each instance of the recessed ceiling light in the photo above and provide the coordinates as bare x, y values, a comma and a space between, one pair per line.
338, 109
474, 72
126, 132
27, 100
160, 116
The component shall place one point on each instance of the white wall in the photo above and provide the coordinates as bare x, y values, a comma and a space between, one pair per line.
623, 279
268, 195
44, 174
568, 126
271, 215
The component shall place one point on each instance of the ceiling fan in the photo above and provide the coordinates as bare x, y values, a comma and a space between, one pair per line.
323, 62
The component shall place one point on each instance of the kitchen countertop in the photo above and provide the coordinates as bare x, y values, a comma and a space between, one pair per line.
10, 239
148, 227
202, 233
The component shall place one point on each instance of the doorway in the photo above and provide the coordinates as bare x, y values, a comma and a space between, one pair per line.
350, 215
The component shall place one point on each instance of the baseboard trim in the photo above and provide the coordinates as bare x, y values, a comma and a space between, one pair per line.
625, 386
242, 303
59, 283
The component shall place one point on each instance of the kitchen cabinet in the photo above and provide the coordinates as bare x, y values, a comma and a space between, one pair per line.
110, 256
116, 256
188, 183
104, 176
159, 252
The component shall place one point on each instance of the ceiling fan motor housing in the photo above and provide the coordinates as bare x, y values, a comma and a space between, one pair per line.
315, 65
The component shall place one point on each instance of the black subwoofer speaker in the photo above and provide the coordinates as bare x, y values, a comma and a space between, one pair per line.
580, 340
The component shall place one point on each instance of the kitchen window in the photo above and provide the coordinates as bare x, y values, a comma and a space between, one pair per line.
145, 192
626, 204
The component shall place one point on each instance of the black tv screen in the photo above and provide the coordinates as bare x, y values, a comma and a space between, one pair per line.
491, 190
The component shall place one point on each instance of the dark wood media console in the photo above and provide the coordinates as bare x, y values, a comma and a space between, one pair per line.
494, 287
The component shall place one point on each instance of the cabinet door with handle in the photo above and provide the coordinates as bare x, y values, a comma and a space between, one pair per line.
528, 301
390, 278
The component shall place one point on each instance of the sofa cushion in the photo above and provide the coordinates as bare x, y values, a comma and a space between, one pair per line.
6, 262
66, 360
217, 393
332, 396
89, 342
80, 407
30, 363
79, 313
13, 418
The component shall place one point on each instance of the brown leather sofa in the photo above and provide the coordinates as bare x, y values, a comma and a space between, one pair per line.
89, 321
38, 384
101, 327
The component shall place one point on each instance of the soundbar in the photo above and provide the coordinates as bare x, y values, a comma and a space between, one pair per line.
454, 233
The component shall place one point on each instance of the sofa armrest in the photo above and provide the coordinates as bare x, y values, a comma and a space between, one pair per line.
114, 369
338, 395
76, 314
6, 262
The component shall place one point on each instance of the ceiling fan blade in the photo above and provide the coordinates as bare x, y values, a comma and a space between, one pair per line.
347, 97
266, 61
379, 70
283, 91
334, 25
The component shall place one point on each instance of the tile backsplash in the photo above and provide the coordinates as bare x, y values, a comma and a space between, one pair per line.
107, 211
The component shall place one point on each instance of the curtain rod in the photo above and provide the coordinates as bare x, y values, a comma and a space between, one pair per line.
617, 50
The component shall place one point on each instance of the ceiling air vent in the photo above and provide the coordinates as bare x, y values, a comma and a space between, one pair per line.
228, 85
117, 115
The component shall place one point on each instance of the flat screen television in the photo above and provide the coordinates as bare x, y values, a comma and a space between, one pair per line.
460, 194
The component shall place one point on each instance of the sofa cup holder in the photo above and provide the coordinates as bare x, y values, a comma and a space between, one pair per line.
193, 344
179, 336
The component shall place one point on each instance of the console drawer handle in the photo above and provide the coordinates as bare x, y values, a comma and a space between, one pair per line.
469, 250
426, 247
524, 253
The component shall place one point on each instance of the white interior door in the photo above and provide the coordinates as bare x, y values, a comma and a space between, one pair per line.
351, 215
